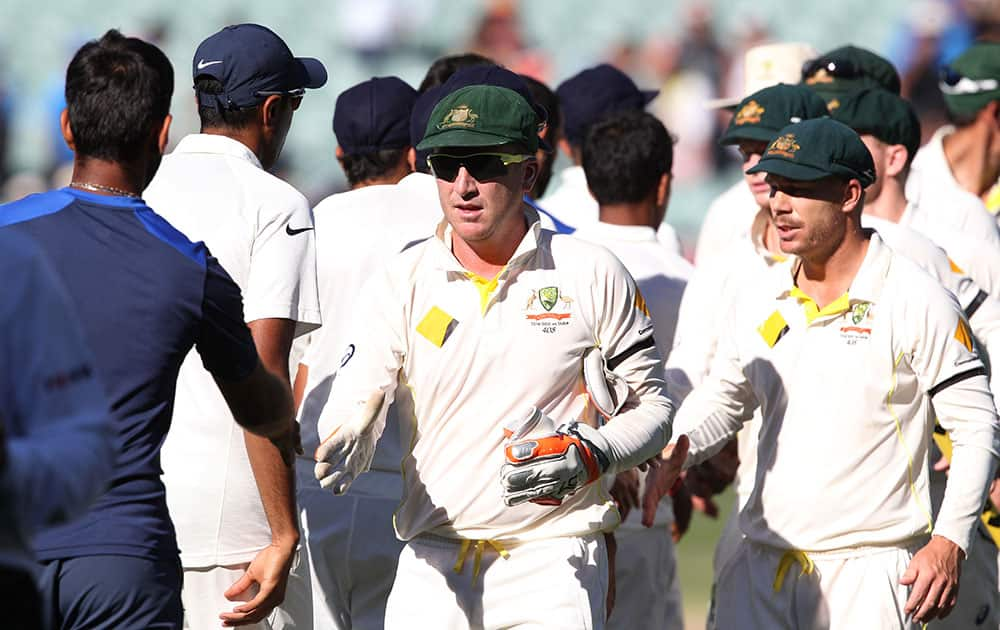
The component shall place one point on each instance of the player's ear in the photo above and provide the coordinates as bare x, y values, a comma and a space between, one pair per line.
897, 156
411, 158
270, 111
663, 190
67, 130
163, 137
529, 175
852, 195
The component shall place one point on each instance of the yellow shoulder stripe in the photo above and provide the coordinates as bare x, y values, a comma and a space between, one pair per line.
773, 329
963, 335
436, 326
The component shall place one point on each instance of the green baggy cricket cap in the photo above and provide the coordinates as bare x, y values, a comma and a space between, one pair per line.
481, 116
764, 113
843, 70
818, 148
972, 81
881, 113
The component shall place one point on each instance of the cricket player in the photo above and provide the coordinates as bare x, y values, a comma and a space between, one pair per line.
485, 325
730, 215
959, 161
584, 99
853, 347
230, 493
145, 295
55, 424
627, 157
350, 549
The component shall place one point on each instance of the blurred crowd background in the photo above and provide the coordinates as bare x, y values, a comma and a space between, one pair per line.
692, 50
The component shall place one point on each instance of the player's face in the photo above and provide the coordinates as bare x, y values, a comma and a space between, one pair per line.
484, 201
750, 151
808, 216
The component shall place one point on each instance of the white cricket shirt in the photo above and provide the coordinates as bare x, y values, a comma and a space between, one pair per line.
474, 359
728, 220
213, 189
848, 395
356, 231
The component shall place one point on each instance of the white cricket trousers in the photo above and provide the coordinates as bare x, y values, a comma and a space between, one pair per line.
854, 589
647, 587
552, 584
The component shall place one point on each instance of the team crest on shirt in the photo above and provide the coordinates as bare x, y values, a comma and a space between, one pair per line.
548, 308
462, 117
749, 114
860, 328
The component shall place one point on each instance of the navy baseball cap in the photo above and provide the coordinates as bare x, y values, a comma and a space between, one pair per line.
374, 115
252, 62
419, 116
588, 96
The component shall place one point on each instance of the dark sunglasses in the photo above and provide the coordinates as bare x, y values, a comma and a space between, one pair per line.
954, 82
837, 68
294, 96
481, 166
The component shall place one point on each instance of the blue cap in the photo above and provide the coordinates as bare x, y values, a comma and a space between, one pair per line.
421, 113
252, 62
374, 115
498, 76
590, 95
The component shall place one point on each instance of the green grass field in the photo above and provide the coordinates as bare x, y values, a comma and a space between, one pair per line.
694, 560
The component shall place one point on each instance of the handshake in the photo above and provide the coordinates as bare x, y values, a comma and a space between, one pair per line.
545, 464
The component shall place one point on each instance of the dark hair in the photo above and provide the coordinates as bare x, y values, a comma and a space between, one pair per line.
363, 167
220, 118
118, 92
544, 96
624, 156
442, 69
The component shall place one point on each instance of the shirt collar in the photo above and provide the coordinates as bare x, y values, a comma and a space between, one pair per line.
217, 145
601, 230
120, 201
525, 249
868, 282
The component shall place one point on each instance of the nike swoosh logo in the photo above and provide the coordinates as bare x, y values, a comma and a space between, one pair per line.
643, 331
292, 232
202, 64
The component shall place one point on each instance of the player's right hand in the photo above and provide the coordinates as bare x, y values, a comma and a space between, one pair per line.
348, 450
661, 479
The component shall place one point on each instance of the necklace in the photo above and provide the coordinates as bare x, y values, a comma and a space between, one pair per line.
103, 188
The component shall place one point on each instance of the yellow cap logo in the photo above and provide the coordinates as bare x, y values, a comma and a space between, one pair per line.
749, 114
461, 116
833, 104
820, 76
785, 146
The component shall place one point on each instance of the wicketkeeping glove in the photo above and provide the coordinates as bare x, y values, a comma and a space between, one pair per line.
348, 451
546, 469
606, 390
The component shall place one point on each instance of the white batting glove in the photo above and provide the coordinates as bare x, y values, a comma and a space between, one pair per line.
349, 449
547, 469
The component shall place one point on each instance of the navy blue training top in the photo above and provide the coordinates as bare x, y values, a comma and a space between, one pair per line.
145, 295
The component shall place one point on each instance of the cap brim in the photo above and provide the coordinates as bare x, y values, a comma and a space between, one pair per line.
649, 95
313, 72
791, 170
748, 133
729, 103
463, 138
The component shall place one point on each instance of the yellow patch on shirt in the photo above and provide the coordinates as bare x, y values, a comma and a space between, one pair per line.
436, 326
963, 335
640, 302
955, 268
773, 329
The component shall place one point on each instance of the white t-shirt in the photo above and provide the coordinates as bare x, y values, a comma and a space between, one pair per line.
727, 221
849, 394
570, 201
213, 189
356, 232
473, 359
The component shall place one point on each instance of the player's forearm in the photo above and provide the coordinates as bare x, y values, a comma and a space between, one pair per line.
965, 410
276, 484
639, 433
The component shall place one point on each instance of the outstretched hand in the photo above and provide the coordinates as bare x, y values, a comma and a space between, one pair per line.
661, 479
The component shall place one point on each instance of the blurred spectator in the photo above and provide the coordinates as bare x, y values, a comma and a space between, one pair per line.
498, 36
